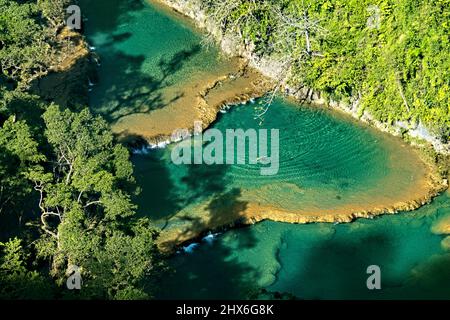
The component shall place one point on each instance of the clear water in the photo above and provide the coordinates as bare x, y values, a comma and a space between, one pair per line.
320, 261
327, 162
144, 52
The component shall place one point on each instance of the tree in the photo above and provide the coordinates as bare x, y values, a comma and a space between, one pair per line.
86, 209
16, 281
19, 156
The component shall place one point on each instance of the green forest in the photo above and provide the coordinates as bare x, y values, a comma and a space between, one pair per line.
391, 55
66, 186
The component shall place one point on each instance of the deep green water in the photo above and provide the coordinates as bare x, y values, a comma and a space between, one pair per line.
326, 161
320, 261
142, 52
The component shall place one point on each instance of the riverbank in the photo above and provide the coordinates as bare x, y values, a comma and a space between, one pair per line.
233, 45
200, 98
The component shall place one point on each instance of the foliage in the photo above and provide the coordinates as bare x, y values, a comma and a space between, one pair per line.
29, 42
392, 55
66, 178
16, 281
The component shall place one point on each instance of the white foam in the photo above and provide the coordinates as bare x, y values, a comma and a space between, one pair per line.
190, 248
210, 237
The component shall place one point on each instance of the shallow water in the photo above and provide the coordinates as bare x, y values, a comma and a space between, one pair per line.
327, 162
148, 60
329, 168
320, 261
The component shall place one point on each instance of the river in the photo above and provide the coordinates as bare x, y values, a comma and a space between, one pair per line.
152, 64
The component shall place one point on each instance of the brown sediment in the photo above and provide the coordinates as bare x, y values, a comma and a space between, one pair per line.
198, 99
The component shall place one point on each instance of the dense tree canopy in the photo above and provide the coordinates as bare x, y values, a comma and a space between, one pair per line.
66, 185
391, 54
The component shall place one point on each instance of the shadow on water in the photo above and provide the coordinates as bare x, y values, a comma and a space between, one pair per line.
108, 16
211, 272
128, 82
128, 90
430, 280
336, 269
167, 188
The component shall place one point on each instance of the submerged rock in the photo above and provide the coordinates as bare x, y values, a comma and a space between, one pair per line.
442, 226
446, 243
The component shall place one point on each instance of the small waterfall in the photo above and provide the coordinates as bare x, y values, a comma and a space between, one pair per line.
190, 248
210, 238
145, 149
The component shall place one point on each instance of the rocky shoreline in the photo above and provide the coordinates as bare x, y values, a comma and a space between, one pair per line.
232, 45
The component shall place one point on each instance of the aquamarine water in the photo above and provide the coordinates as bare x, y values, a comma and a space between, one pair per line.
327, 162
143, 51
320, 261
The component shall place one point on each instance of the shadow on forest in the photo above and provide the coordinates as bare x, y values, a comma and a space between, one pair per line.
125, 89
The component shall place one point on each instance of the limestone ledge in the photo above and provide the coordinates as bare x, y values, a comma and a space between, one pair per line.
172, 238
